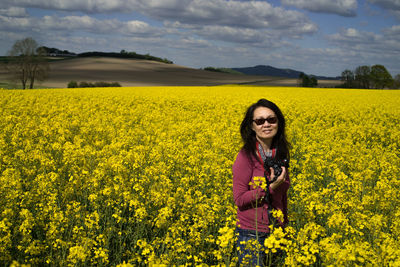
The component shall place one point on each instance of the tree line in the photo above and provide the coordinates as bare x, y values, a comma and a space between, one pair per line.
367, 77
125, 54
363, 77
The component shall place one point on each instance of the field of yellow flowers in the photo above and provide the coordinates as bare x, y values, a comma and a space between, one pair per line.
142, 176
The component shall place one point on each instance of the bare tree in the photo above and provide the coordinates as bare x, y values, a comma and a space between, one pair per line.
348, 78
363, 76
396, 82
27, 63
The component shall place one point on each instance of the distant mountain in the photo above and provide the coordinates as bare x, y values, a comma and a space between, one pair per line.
275, 72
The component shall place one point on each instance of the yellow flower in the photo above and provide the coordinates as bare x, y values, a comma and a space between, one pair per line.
143, 175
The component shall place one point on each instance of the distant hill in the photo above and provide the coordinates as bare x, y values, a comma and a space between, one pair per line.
275, 72
143, 72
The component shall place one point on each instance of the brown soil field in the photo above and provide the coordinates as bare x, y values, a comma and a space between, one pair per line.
134, 72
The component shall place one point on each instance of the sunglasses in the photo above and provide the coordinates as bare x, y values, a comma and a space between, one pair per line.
270, 120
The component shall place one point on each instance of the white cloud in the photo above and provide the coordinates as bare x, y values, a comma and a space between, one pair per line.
232, 34
251, 14
351, 36
388, 4
345, 8
352, 33
396, 14
139, 27
14, 23
250, 22
393, 32
254, 32
13, 12
392, 6
368, 48
87, 6
387, 42
69, 24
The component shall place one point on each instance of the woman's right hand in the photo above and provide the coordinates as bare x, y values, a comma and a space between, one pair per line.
281, 178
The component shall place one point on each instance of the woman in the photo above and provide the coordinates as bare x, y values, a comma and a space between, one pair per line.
263, 134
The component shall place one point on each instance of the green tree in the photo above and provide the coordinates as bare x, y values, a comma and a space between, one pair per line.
27, 63
72, 84
380, 77
307, 81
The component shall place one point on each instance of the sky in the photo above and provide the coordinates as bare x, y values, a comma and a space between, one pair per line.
319, 37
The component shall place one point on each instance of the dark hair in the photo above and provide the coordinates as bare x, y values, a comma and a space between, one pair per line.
279, 142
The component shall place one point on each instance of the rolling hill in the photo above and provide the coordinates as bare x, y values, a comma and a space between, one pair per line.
276, 72
137, 72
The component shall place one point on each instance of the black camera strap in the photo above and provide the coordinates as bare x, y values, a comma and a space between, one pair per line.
264, 156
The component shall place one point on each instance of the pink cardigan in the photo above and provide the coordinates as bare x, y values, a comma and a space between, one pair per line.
244, 169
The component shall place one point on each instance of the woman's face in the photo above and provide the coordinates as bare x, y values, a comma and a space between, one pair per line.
267, 130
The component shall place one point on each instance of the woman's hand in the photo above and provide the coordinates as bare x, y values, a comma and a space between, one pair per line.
281, 178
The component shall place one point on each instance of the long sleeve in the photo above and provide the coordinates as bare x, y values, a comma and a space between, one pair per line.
242, 171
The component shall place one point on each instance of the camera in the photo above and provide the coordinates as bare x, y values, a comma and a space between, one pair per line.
276, 165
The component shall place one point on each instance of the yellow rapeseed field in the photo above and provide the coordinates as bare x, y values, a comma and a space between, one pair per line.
142, 176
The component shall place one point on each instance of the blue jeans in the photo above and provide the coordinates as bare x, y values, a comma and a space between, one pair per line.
251, 254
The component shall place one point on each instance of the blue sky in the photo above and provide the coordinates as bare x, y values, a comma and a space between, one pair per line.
320, 37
